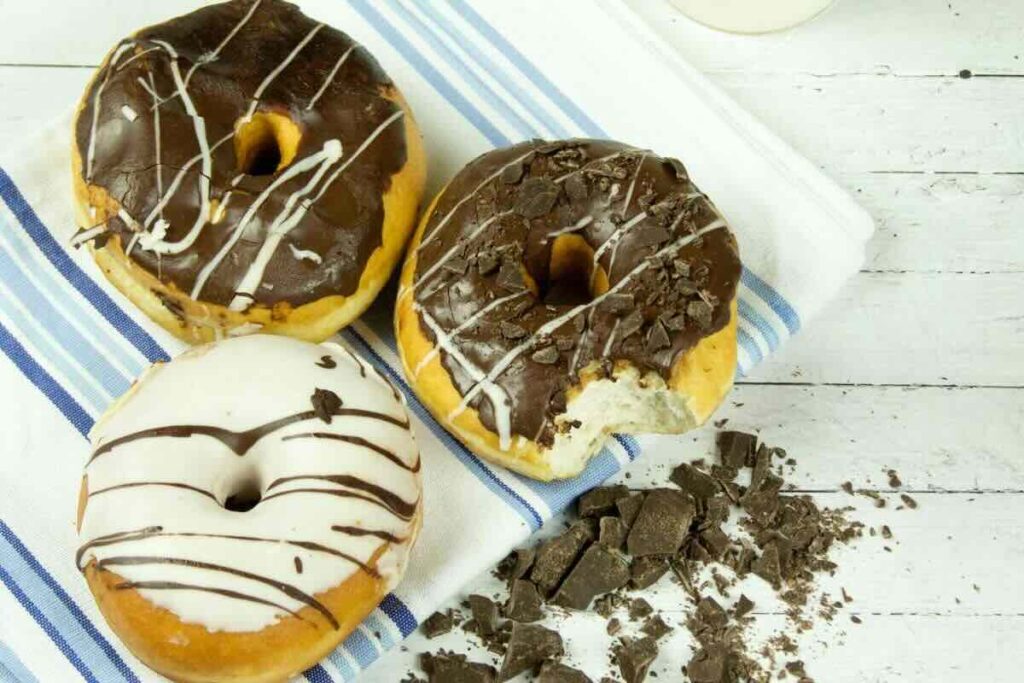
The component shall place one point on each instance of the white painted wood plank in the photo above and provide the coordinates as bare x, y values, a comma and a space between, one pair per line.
954, 547
936, 439
33, 97
912, 328
942, 222
872, 36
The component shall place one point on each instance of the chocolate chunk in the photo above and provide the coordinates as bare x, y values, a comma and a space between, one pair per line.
711, 613
908, 501
576, 187
326, 362
652, 235
716, 511
613, 626
565, 343
524, 603
715, 541
629, 508
606, 604
537, 196
485, 614
677, 167
894, 479
711, 665
448, 667
657, 337
487, 262
656, 627
768, 566
529, 646
599, 571
554, 672
512, 331
645, 571
510, 276
796, 668
516, 564
555, 557
600, 500
437, 624
326, 404
736, 448
700, 311
676, 323
579, 323
635, 657
742, 607
631, 324
639, 609
547, 356
513, 173
456, 265
662, 523
612, 532
619, 303
694, 482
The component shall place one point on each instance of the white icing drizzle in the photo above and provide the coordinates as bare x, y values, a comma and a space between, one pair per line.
498, 397
465, 325
330, 77
156, 135
547, 328
578, 225
305, 254
632, 184
437, 229
611, 338
177, 180
332, 493
277, 71
606, 157
206, 59
292, 214
128, 113
457, 246
85, 235
96, 101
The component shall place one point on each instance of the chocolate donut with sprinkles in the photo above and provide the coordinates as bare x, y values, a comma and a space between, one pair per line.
558, 292
245, 168
246, 506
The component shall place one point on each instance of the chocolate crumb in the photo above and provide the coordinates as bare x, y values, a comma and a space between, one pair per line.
546, 356
326, 404
848, 487
908, 501
886, 531
639, 608
516, 564
656, 627
894, 479
735, 449
743, 607
613, 626
512, 330
437, 624
537, 196
485, 614
635, 657
855, 619
326, 362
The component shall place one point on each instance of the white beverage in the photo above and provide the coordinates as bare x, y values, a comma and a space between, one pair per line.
751, 16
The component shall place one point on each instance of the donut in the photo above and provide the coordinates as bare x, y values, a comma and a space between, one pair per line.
245, 168
557, 292
246, 505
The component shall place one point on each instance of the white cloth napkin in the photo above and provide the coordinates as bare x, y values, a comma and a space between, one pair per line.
477, 77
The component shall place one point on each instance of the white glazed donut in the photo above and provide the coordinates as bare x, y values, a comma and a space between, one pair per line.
198, 586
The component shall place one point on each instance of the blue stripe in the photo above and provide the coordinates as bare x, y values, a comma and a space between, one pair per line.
398, 613
11, 667
748, 343
73, 613
360, 647
339, 661
773, 299
51, 287
455, 61
317, 674
68, 406
380, 630
454, 34
45, 624
429, 73
748, 312
131, 330
630, 445
77, 346
586, 124
472, 462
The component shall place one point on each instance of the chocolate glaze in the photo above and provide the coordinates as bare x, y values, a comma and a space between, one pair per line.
342, 228
502, 213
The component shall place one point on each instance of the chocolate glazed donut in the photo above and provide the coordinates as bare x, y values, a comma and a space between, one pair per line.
246, 168
558, 292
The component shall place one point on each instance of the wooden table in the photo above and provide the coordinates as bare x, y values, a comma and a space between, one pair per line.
917, 107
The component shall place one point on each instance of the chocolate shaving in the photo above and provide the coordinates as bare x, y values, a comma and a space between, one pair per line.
326, 362
546, 356
326, 404
437, 624
537, 196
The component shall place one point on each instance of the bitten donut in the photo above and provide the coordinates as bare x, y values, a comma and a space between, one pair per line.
244, 168
246, 505
556, 292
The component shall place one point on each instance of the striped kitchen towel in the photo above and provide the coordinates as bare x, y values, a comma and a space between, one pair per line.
477, 77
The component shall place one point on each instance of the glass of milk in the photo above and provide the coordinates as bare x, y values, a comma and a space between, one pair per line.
751, 16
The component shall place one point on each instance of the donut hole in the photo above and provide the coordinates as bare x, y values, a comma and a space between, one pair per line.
245, 495
573, 276
266, 143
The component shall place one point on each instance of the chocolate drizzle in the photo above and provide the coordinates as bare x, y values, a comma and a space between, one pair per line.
227, 593
156, 133
392, 502
285, 588
513, 334
358, 441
